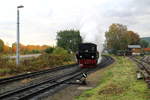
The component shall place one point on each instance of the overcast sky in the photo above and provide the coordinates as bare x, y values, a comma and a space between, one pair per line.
41, 19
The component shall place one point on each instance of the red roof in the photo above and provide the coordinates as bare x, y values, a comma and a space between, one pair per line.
146, 49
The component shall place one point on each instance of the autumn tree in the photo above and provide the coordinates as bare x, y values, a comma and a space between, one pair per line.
6, 49
1, 45
69, 39
13, 47
115, 36
29, 49
132, 37
118, 37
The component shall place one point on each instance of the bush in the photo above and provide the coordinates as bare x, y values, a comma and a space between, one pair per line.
35, 51
8, 66
60, 51
49, 50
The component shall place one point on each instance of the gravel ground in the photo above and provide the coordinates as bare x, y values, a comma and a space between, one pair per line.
73, 91
16, 84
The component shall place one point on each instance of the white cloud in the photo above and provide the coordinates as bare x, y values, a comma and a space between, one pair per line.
41, 19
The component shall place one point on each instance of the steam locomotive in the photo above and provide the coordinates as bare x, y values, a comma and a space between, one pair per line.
87, 55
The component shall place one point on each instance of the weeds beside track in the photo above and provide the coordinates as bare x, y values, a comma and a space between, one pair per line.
30, 91
29, 75
144, 69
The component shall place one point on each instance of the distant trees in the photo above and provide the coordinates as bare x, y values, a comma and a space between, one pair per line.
28, 49
13, 47
118, 37
69, 39
7, 49
32, 49
1, 45
4, 48
144, 43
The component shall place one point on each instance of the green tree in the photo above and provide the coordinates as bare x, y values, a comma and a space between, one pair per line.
1, 45
144, 43
69, 39
49, 50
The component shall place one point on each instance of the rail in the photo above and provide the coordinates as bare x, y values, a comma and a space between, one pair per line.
144, 69
29, 75
32, 90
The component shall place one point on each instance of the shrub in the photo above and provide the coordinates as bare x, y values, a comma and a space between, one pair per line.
49, 50
60, 51
35, 51
8, 66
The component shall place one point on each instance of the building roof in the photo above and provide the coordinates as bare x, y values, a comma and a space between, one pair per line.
146, 49
134, 46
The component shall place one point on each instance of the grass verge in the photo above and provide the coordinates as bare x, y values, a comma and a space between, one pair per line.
8, 66
118, 82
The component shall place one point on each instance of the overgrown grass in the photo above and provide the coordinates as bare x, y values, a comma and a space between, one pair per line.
8, 66
118, 82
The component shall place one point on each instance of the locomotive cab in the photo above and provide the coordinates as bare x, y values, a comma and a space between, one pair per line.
87, 55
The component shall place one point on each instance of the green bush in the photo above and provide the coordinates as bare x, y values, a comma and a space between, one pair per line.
60, 51
49, 50
35, 51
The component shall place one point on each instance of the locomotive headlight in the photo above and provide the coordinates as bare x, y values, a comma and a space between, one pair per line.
80, 56
92, 56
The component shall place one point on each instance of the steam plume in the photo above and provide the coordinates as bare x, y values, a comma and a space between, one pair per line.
90, 30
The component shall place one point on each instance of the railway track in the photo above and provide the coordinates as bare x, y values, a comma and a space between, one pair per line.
33, 74
144, 69
32, 90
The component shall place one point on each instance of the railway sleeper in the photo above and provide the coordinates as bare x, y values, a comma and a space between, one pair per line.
147, 80
141, 66
145, 74
143, 71
146, 66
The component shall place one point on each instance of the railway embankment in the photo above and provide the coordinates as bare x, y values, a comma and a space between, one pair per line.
117, 82
46, 87
45, 61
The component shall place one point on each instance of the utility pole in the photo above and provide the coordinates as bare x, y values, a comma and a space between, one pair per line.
18, 37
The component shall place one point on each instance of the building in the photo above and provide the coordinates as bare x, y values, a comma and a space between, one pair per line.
135, 49
146, 50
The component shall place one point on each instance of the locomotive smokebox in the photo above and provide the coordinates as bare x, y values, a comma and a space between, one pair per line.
87, 55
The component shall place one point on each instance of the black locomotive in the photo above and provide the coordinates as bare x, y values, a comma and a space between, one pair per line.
87, 55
